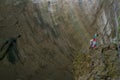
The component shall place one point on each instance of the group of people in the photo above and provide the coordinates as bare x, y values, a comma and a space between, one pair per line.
94, 42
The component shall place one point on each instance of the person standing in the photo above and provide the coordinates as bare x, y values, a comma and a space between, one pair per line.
93, 42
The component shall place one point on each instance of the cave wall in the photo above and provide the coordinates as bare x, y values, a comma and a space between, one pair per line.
51, 35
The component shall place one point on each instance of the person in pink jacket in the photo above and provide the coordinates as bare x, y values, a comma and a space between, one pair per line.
93, 42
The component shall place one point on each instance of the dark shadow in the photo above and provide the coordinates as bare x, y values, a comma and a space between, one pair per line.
10, 49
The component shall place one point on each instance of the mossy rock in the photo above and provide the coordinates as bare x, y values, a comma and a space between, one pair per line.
82, 64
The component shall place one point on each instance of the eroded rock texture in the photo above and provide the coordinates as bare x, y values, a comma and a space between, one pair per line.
101, 64
52, 33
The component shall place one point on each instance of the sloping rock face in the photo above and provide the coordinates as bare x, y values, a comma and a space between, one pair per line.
101, 64
52, 33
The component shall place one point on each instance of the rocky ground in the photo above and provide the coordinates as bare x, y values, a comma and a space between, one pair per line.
100, 64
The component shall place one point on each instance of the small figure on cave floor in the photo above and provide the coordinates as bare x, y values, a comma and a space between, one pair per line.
93, 42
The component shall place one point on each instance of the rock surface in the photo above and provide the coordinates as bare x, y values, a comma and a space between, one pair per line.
98, 65
52, 34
